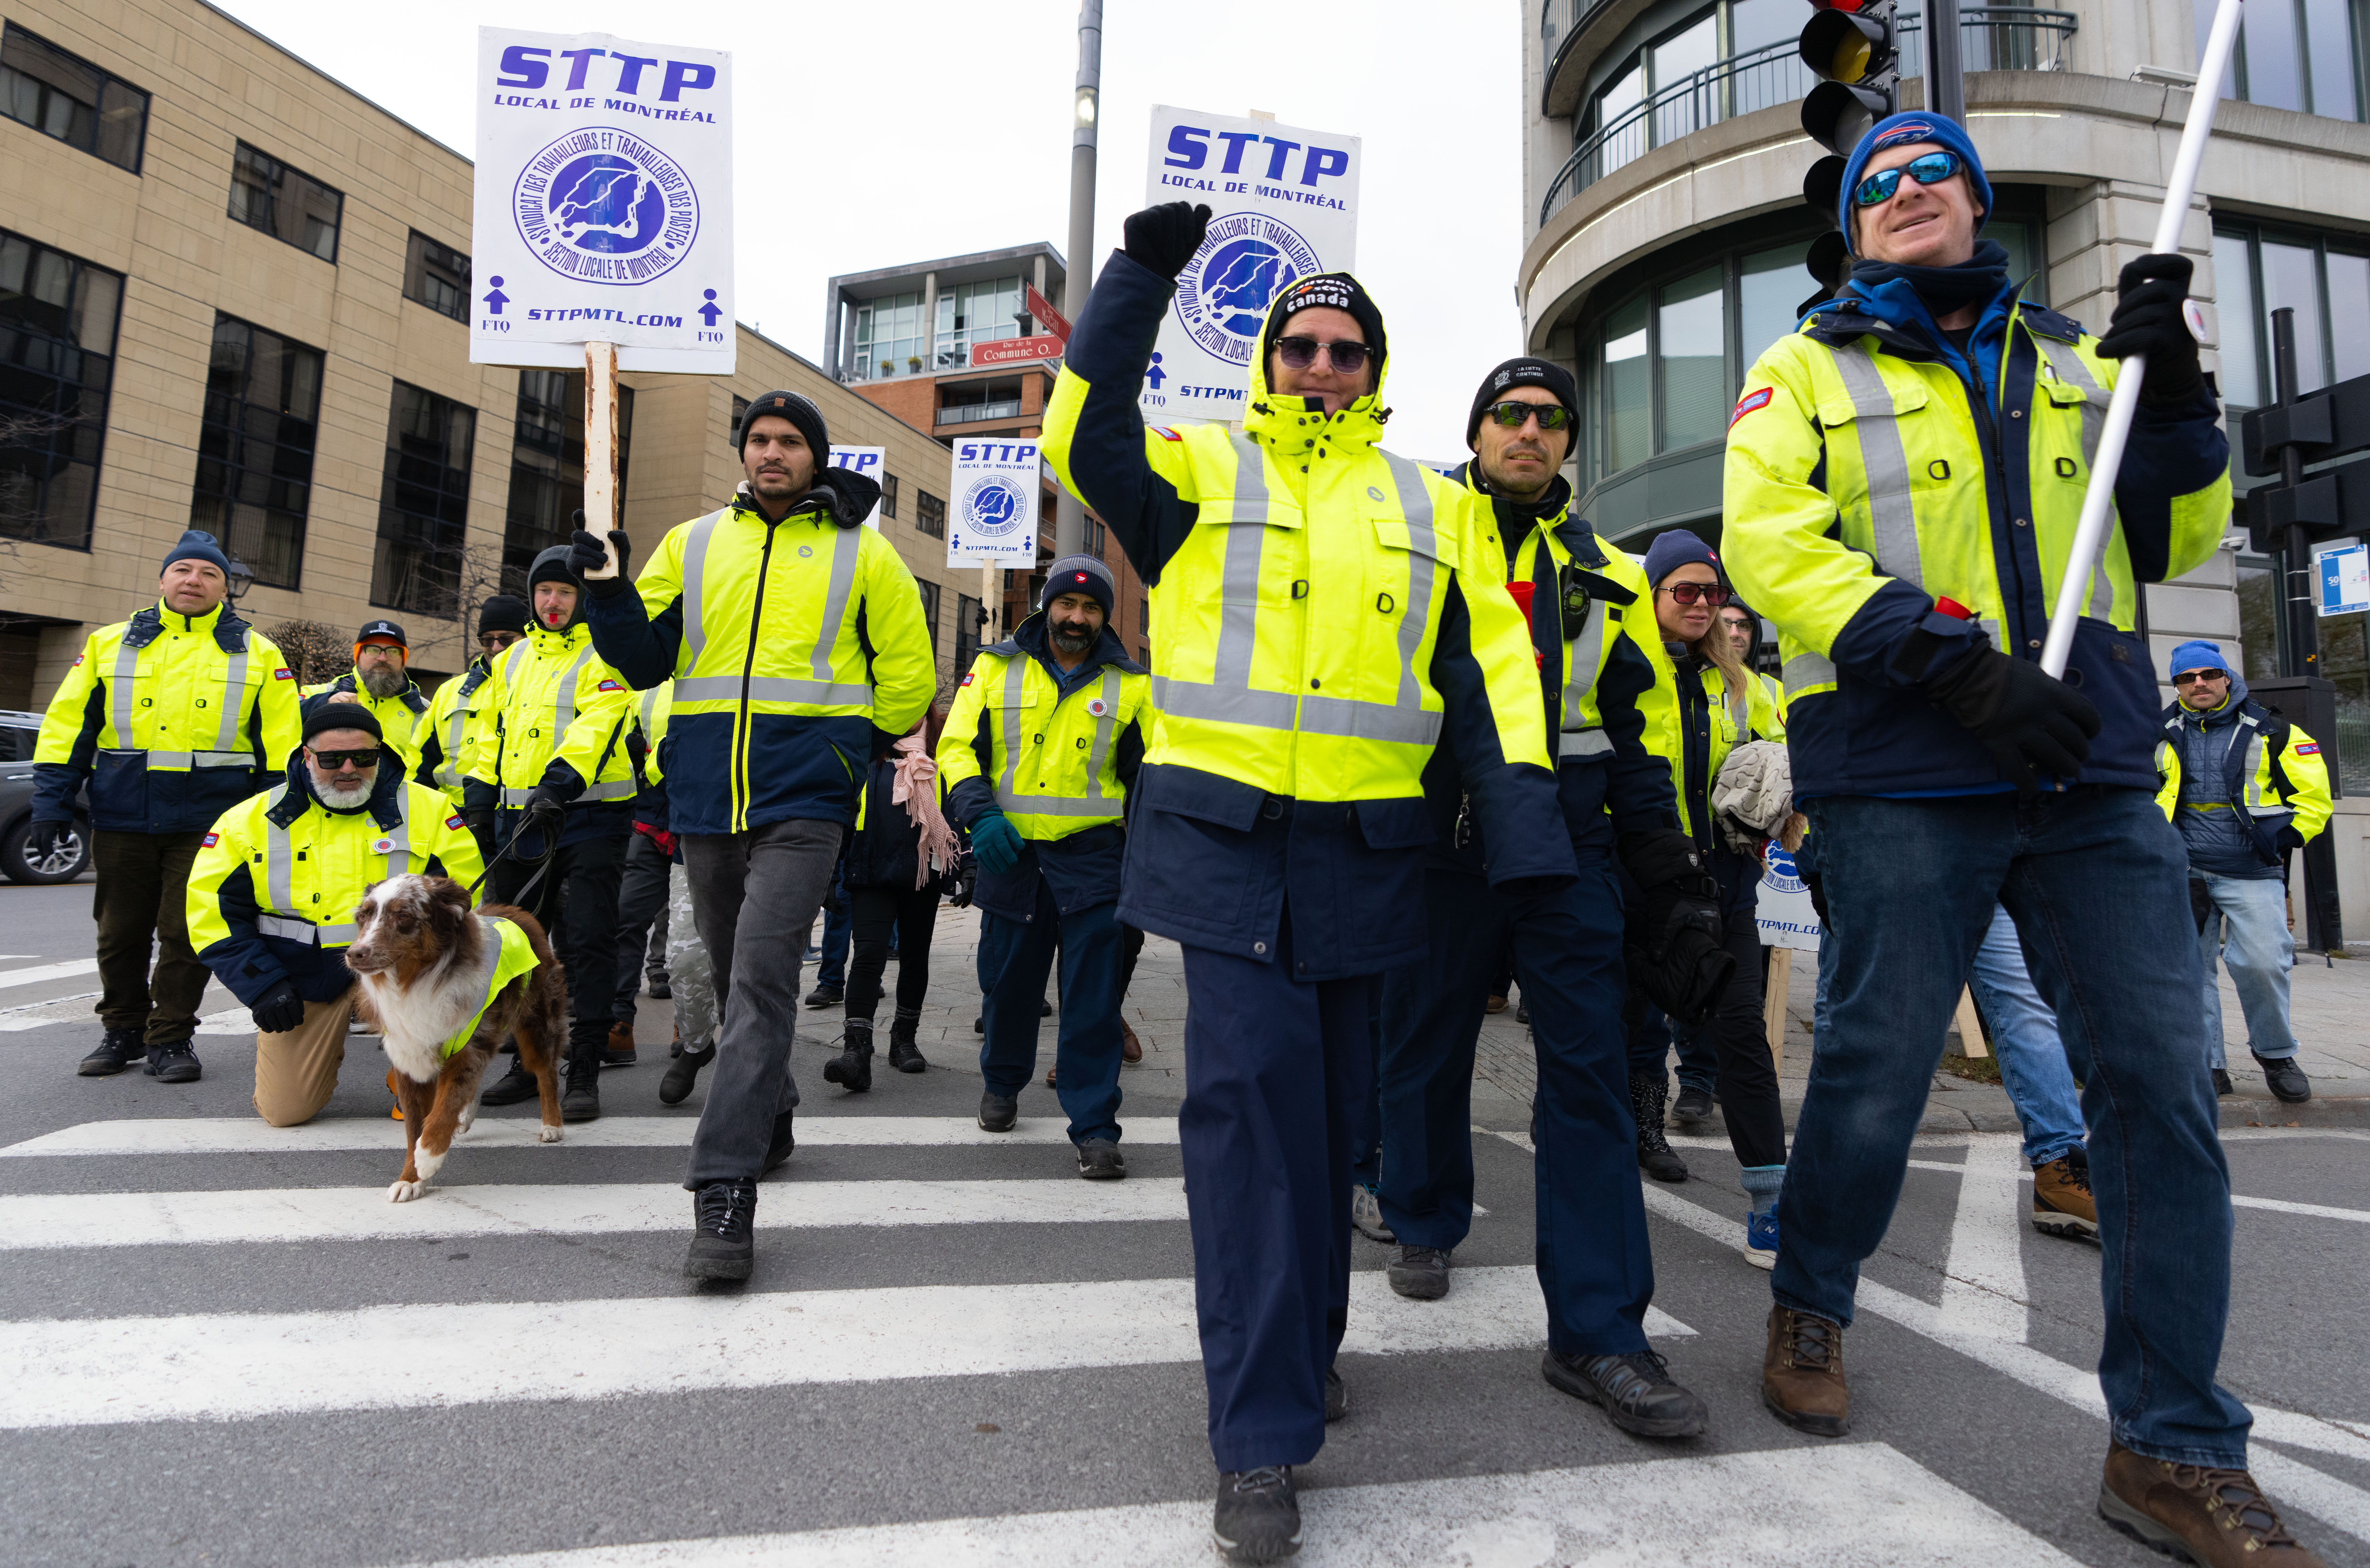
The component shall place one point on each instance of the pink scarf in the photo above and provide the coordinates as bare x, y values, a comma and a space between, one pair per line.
917, 789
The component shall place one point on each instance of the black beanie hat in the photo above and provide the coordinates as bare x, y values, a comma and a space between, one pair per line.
503, 612
1338, 291
799, 412
1079, 574
327, 715
1524, 371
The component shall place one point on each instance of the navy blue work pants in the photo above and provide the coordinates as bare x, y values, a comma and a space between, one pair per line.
1014, 957
1594, 1266
1276, 1076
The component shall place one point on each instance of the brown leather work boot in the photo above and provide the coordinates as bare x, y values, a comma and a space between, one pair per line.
1802, 1373
2217, 1517
2062, 1204
1131, 1049
620, 1051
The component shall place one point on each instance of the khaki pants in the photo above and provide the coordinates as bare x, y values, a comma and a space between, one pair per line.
296, 1072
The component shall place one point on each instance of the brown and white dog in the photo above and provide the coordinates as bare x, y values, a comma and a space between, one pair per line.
423, 960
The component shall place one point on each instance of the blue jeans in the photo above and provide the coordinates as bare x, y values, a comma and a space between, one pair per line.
2024, 1039
2247, 929
1014, 957
2096, 882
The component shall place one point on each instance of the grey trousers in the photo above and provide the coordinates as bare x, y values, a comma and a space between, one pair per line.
754, 895
641, 923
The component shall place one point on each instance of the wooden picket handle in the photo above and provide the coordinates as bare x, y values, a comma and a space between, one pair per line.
601, 450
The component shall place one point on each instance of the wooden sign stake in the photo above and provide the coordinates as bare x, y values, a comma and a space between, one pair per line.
601, 448
1971, 1028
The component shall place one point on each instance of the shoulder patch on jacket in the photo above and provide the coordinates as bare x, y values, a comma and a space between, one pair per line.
276, 674
1749, 402
2308, 748
210, 840
1165, 433
453, 822
967, 676
78, 658
609, 685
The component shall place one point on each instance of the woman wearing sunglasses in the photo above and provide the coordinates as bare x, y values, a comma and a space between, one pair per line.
1705, 704
1904, 478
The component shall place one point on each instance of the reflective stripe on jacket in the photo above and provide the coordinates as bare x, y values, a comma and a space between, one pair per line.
1693, 721
448, 731
1053, 764
550, 699
2276, 776
402, 719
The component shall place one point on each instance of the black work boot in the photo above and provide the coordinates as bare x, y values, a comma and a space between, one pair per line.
722, 1242
2287, 1080
682, 1074
1648, 1094
1636, 1390
852, 1068
1258, 1516
173, 1062
998, 1112
513, 1087
903, 1054
118, 1049
581, 1101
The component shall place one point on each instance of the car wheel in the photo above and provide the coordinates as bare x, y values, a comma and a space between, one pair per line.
71, 859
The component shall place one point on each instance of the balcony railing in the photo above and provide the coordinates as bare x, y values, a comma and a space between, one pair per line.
967, 413
1991, 37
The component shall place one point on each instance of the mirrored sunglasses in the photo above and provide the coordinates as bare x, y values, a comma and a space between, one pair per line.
1513, 412
1301, 353
1930, 169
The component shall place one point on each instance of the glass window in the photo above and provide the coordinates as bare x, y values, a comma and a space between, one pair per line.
43, 86
965, 401
929, 608
930, 513
981, 312
969, 614
1625, 139
423, 508
2233, 309
254, 448
1769, 284
57, 360
437, 276
547, 467
887, 495
889, 334
284, 202
1681, 109
2349, 314
1628, 382
2325, 278
2290, 278
1692, 323
2299, 54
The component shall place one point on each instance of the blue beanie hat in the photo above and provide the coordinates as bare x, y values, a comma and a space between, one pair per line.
1895, 128
1674, 549
197, 546
1080, 574
2199, 655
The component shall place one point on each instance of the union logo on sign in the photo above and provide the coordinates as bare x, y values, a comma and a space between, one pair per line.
1781, 874
1224, 294
994, 506
601, 205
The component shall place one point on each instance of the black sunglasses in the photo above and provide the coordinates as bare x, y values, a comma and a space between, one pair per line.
1511, 414
2192, 677
1299, 353
1688, 593
1930, 169
333, 761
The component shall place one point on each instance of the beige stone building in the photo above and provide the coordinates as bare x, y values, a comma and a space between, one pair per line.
233, 295
1664, 157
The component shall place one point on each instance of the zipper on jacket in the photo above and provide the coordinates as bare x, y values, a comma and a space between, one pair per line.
748, 667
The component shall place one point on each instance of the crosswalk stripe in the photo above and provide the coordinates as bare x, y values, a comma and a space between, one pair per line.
48, 972
247, 1135
1856, 1502
2270, 1206
241, 1366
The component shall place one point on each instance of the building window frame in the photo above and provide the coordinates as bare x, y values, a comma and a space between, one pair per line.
930, 513
547, 467
888, 493
424, 509
59, 320
436, 275
272, 197
31, 90
2317, 60
890, 336
970, 615
2338, 291
245, 482
929, 610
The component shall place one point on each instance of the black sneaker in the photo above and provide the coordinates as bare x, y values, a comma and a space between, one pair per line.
512, 1087
1419, 1274
682, 1074
1044, 1009
581, 1101
724, 1214
1098, 1159
1693, 1105
175, 1063
1634, 1389
659, 991
2222, 1084
785, 1139
118, 1049
826, 997
2288, 1084
1337, 1397
998, 1112
1257, 1517
979, 1024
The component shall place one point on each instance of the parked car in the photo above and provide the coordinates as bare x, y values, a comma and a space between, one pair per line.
19, 734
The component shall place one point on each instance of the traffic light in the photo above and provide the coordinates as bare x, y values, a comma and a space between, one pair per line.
1853, 48
2333, 423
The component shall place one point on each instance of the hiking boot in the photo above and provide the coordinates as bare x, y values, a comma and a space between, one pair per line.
1367, 1213
174, 1062
1419, 1274
118, 1049
1693, 1106
1100, 1160
1802, 1373
2288, 1084
619, 1053
722, 1247
1258, 1516
581, 1101
1647, 1093
512, 1087
2222, 1084
1634, 1389
1496, 1003
826, 996
2217, 1517
785, 1139
1336, 1397
998, 1112
903, 1054
682, 1074
2062, 1204
852, 1068
1131, 1049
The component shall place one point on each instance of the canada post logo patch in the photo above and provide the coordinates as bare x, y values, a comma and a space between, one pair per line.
210, 840
609, 685
967, 677
453, 821
282, 675
78, 658
1163, 431
2308, 748
1749, 402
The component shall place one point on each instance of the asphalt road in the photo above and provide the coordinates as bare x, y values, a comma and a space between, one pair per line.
220, 1343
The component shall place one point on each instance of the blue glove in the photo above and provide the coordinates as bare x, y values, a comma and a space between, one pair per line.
996, 843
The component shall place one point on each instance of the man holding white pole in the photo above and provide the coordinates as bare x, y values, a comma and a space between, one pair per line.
1904, 478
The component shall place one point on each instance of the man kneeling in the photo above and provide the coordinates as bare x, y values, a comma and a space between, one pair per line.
273, 890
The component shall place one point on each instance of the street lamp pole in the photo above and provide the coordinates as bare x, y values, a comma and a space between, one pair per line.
1069, 513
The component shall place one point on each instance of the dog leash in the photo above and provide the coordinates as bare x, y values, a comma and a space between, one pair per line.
542, 862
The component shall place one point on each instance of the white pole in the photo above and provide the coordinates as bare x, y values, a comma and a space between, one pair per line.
600, 449
2098, 502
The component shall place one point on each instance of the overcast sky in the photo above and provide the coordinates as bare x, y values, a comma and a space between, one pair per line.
868, 135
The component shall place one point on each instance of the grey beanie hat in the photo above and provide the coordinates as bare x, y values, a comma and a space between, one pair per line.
1080, 574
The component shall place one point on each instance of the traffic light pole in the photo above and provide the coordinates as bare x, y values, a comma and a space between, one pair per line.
1945, 81
2303, 652
1069, 512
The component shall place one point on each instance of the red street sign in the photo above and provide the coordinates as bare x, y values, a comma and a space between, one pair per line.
1048, 317
1016, 351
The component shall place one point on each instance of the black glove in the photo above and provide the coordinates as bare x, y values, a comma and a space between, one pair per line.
279, 1010
2149, 320
44, 839
1673, 950
545, 805
963, 880
1164, 237
586, 556
2288, 839
2023, 717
